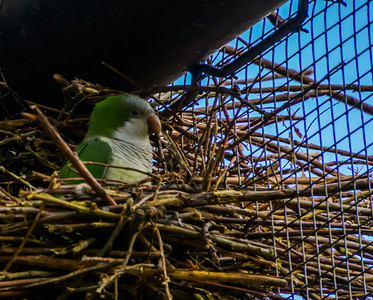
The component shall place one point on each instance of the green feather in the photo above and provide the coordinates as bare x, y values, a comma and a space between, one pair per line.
95, 151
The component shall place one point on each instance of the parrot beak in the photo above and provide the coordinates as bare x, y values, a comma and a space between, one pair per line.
154, 125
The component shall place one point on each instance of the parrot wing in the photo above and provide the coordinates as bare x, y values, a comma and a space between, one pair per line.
91, 151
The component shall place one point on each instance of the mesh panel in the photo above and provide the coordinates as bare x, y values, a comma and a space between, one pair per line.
296, 123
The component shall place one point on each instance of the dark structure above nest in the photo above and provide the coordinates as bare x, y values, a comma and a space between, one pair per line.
151, 42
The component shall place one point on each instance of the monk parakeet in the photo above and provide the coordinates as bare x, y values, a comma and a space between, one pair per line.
118, 135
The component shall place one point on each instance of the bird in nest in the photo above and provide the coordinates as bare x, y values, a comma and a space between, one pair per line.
118, 138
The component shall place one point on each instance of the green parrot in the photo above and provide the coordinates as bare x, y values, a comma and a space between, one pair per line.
118, 135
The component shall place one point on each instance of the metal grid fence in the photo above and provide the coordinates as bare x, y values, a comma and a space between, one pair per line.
298, 118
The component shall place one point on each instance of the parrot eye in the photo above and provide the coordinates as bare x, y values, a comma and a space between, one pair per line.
134, 113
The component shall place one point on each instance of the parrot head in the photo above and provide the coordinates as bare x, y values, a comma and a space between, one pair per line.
124, 114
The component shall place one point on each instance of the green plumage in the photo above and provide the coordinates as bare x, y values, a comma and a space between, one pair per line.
109, 114
118, 135
95, 151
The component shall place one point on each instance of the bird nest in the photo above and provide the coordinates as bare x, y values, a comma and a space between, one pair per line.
206, 224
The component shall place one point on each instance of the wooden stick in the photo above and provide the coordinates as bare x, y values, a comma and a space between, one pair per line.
43, 122
29, 231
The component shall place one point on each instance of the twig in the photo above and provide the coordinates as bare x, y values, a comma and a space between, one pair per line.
166, 279
67, 276
71, 156
28, 233
18, 178
123, 265
253, 280
94, 211
122, 221
124, 76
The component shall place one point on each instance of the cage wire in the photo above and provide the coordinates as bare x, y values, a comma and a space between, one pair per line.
263, 180
299, 120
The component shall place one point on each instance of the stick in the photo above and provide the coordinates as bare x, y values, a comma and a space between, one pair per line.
43, 122
29, 231
166, 279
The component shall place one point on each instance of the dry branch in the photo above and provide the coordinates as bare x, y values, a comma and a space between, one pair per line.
70, 155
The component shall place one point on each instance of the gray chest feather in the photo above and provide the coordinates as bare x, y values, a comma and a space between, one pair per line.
130, 154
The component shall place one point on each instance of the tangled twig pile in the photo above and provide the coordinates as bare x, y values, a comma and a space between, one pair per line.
213, 222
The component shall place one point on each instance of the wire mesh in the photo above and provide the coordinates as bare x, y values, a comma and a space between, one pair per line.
297, 118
